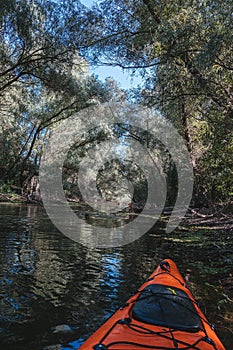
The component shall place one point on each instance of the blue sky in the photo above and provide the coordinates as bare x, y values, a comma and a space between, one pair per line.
123, 78
88, 3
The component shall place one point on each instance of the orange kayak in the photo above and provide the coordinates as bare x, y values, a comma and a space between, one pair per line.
161, 315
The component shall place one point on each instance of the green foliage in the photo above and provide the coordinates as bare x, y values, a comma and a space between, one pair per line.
184, 51
43, 80
5, 188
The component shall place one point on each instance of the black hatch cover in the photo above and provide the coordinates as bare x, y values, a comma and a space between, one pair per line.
166, 306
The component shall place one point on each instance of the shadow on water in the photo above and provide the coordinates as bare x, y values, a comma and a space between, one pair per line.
56, 291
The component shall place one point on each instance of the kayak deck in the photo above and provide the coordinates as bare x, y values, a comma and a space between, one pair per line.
161, 315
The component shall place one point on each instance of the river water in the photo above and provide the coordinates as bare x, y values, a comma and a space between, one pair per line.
55, 292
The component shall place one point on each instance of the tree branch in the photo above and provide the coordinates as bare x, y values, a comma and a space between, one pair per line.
151, 8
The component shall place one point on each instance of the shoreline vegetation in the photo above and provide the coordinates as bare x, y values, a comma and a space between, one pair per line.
218, 216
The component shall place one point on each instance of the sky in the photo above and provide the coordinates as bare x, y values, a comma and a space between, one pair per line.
123, 78
88, 3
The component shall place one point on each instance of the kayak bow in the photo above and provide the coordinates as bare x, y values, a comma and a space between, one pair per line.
161, 315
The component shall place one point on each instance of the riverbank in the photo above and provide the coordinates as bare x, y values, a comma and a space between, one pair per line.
217, 217
12, 197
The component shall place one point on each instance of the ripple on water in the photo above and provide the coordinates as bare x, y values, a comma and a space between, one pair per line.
48, 280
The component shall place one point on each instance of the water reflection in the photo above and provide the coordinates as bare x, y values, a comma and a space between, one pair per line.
47, 280
56, 291
20, 255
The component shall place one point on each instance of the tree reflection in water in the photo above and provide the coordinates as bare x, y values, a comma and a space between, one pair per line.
56, 291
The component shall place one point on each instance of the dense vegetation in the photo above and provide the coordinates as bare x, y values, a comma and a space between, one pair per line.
183, 50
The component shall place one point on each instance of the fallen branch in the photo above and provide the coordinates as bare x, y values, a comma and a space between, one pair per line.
200, 214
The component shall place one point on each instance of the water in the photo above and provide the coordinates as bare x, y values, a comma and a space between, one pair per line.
54, 291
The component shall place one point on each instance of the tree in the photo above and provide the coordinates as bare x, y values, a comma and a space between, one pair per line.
43, 79
183, 49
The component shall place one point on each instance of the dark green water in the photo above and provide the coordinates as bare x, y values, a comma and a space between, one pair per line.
56, 291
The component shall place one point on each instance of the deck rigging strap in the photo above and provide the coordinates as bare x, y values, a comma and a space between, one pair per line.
165, 266
144, 330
